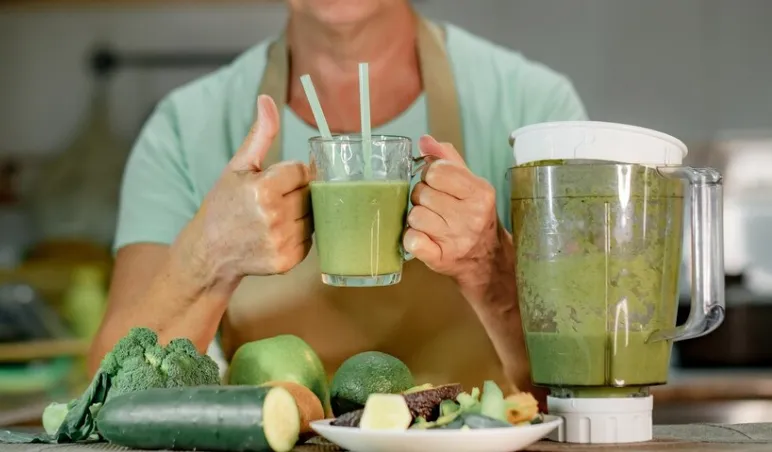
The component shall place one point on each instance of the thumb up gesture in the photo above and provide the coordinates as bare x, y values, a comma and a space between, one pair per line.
256, 220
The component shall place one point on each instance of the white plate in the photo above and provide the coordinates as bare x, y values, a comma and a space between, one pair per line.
507, 439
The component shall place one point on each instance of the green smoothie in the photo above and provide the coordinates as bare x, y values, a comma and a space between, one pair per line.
359, 226
598, 253
616, 360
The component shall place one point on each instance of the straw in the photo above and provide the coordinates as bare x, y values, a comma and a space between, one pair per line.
316, 107
364, 111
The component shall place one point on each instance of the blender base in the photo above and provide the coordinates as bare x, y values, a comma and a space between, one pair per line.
602, 421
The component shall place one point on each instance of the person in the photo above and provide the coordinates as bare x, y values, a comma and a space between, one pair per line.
214, 238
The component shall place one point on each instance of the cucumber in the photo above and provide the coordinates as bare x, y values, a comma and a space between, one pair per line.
448, 407
214, 418
492, 402
476, 421
456, 424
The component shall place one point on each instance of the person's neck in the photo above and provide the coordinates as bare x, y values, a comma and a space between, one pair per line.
331, 57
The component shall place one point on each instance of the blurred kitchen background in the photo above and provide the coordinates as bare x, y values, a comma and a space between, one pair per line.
79, 77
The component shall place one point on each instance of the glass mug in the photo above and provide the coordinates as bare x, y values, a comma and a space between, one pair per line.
360, 213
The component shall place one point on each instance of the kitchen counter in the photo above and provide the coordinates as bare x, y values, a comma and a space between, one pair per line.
719, 384
684, 438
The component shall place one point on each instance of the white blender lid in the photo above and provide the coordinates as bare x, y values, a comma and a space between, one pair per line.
592, 140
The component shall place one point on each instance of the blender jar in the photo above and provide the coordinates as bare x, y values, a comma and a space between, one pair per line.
598, 256
597, 216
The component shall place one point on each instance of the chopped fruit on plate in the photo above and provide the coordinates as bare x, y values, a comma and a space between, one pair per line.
444, 407
385, 412
521, 408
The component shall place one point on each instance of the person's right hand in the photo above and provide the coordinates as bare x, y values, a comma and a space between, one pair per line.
256, 221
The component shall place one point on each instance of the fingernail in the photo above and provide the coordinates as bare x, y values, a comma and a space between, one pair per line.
409, 243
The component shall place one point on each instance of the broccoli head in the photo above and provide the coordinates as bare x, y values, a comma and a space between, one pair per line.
139, 362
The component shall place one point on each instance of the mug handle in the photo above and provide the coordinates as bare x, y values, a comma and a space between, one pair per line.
417, 165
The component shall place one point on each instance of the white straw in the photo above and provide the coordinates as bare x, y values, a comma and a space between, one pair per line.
364, 111
316, 107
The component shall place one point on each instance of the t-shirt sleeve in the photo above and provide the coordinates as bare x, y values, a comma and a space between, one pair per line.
563, 103
157, 195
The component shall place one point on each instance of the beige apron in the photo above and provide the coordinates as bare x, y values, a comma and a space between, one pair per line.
423, 320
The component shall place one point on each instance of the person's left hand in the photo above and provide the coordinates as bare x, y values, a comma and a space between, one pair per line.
453, 226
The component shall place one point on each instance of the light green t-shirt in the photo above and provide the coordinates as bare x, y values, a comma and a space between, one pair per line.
195, 130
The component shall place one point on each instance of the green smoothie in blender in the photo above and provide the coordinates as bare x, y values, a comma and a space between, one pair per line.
601, 274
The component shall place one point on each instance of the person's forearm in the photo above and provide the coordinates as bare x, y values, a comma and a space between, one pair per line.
185, 298
496, 305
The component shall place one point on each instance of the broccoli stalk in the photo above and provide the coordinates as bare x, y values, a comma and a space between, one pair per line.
137, 362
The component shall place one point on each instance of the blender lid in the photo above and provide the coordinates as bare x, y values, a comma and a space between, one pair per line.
594, 140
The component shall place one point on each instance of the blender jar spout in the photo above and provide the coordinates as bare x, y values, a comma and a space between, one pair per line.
707, 286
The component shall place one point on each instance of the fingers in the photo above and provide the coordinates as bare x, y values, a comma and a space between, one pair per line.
440, 203
421, 246
430, 223
450, 178
303, 228
431, 147
298, 203
294, 256
285, 177
258, 142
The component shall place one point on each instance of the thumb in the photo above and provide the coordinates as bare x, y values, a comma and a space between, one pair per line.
255, 147
445, 151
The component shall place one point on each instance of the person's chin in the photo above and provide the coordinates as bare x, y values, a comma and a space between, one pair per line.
344, 12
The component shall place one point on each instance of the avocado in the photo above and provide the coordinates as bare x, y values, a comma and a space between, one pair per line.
364, 374
426, 403
350, 419
418, 388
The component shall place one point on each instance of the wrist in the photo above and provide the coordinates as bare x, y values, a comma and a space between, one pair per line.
491, 286
196, 260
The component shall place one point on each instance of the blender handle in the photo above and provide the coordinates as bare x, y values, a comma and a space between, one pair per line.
707, 223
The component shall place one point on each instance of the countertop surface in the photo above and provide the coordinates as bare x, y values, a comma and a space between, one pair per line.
685, 386
692, 437
719, 384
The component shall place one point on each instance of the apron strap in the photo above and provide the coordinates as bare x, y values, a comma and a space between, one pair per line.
275, 84
439, 85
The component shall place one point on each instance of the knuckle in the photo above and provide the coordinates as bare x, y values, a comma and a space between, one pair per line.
277, 238
414, 216
488, 196
465, 244
273, 219
415, 196
433, 174
264, 194
477, 222
287, 261
283, 265
293, 169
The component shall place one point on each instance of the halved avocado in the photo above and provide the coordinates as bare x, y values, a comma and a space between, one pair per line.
350, 419
426, 403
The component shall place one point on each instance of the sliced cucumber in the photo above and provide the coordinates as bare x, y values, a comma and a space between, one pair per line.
492, 402
457, 424
448, 407
281, 426
479, 421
